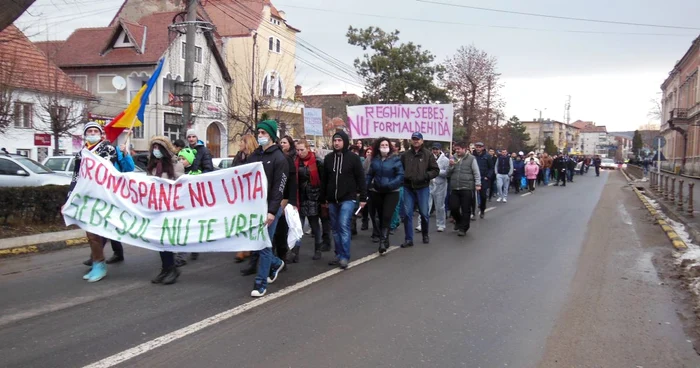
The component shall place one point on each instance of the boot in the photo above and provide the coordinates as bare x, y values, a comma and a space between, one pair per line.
115, 258
88, 262
293, 255
317, 251
171, 276
252, 267
161, 276
384, 241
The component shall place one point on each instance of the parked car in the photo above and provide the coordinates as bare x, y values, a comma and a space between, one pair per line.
20, 171
608, 163
64, 165
222, 163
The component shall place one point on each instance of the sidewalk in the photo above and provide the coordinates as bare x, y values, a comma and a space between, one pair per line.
41, 242
671, 207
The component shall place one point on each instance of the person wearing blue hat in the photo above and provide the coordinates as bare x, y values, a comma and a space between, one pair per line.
420, 167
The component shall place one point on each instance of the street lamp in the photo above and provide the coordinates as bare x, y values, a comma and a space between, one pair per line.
540, 141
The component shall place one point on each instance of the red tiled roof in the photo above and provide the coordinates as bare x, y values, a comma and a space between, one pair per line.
594, 129
49, 48
236, 18
136, 32
23, 65
582, 124
85, 46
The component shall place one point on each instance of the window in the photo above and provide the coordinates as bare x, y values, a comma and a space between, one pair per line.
104, 83
80, 80
59, 114
197, 54
278, 47
172, 126
271, 43
8, 167
138, 132
219, 94
126, 38
206, 92
272, 85
23, 115
274, 21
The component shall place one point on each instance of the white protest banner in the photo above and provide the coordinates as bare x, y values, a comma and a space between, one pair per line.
221, 211
400, 121
313, 121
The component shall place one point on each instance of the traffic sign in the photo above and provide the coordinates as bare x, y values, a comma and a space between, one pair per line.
659, 141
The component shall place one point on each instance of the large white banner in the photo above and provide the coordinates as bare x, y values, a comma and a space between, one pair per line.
221, 211
313, 121
400, 121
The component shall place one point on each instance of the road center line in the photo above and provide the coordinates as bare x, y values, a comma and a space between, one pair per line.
489, 209
526, 194
221, 317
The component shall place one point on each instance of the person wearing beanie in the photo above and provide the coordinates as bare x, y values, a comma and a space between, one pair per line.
186, 157
95, 143
202, 161
276, 169
344, 178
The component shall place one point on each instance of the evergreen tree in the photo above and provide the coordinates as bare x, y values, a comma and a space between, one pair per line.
550, 147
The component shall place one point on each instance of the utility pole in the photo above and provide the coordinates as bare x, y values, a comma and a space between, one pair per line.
190, 38
254, 103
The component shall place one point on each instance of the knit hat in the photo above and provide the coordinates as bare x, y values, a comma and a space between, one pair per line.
191, 132
92, 124
188, 154
270, 126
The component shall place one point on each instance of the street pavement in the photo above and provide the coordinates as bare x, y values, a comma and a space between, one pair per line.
564, 277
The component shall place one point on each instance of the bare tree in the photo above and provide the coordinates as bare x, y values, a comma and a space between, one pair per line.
471, 79
655, 109
10, 76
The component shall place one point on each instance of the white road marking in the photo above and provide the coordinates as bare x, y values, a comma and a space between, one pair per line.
489, 209
223, 316
526, 194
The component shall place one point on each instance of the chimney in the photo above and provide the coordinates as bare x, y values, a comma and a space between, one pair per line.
345, 93
297, 93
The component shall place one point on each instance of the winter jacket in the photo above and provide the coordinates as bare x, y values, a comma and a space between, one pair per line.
597, 162
290, 190
531, 171
570, 164
485, 163
518, 168
420, 167
309, 196
124, 163
344, 176
385, 175
465, 173
203, 159
102, 149
443, 164
504, 165
560, 163
547, 162
276, 168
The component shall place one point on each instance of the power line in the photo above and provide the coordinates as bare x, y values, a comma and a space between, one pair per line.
557, 16
487, 25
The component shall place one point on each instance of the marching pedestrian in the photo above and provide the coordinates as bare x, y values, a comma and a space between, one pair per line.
438, 188
486, 170
420, 167
464, 175
310, 176
384, 180
504, 171
531, 172
246, 147
279, 241
202, 162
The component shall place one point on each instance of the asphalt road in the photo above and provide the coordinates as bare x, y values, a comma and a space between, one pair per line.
560, 278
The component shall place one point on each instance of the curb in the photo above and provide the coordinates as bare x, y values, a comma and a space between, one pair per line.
42, 247
675, 239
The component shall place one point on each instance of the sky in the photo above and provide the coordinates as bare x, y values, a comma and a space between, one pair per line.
611, 71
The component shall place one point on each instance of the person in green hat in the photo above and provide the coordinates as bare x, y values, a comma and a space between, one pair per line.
186, 156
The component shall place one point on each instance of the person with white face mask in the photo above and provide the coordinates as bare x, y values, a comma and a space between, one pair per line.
384, 180
96, 144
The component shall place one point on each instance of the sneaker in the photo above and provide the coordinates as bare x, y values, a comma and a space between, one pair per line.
426, 239
258, 291
407, 244
461, 233
171, 276
419, 228
473, 217
343, 263
274, 273
307, 232
98, 272
440, 229
161, 276
498, 199
505, 200
481, 214
334, 262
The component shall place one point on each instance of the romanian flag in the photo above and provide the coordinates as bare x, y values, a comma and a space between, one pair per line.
133, 115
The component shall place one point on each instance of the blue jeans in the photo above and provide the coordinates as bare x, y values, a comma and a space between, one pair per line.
341, 216
411, 197
546, 176
266, 259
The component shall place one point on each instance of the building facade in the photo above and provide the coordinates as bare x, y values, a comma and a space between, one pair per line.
42, 111
335, 114
680, 111
565, 136
114, 62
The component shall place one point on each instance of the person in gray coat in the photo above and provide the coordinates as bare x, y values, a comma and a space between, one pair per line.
465, 177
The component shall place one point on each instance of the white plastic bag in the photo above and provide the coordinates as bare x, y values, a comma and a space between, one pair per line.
296, 231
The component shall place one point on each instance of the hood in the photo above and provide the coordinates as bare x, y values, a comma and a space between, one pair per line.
163, 141
345, 138
199, 143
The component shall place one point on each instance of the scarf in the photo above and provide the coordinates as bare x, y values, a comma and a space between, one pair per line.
310, 162
159, 169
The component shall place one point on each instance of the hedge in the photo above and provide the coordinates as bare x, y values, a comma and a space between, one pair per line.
32, 205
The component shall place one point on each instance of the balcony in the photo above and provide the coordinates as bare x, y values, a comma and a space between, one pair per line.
678, 119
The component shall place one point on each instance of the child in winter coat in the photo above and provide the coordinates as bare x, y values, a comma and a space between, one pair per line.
531, 171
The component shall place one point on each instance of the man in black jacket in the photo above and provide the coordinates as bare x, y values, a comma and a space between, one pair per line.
560, 165
420, 167
486, 171
277, 171
343, 180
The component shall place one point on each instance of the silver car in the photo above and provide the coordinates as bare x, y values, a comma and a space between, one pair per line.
64, 165
20, 171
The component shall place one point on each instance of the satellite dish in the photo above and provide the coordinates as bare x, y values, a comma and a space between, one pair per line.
119, 83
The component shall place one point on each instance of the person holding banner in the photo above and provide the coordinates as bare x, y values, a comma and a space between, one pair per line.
164, 163
420, 167
94, 142
384, 180
276, 169
344, 179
